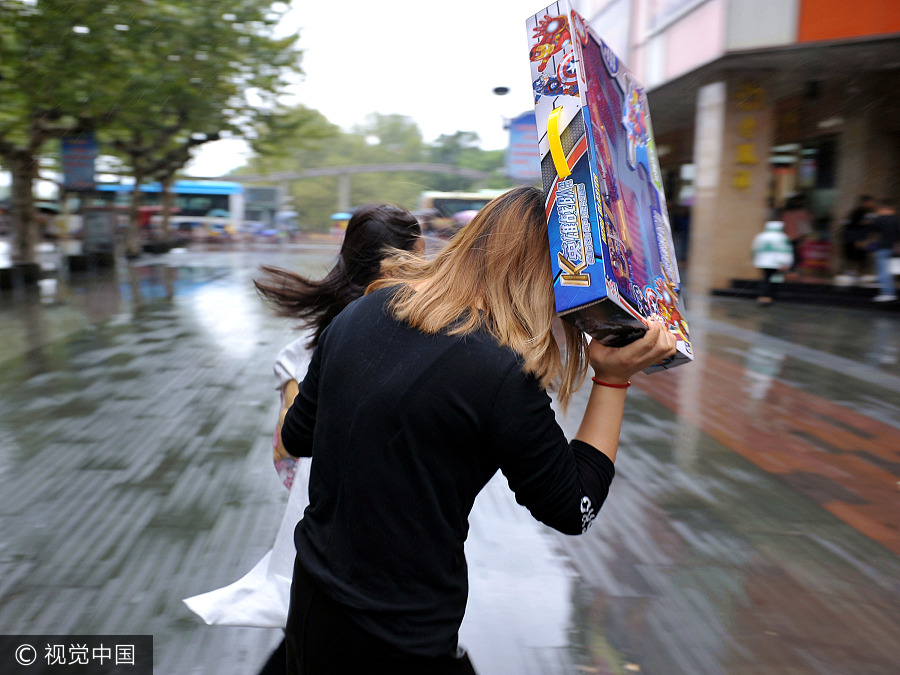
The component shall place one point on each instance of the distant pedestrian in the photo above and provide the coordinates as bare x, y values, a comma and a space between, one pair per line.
798, 225
773, 254
853, 234
885, 235
416, 395
261, 597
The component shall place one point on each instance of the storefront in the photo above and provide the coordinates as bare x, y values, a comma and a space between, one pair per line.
759, 103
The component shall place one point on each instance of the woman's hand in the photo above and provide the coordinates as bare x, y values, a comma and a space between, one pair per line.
602, 419
616, 365
288, 394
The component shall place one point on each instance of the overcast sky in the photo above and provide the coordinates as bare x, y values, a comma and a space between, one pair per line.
436, 62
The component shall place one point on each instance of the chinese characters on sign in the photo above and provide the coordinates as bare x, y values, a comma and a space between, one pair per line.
523, 163
749, 99
78, 156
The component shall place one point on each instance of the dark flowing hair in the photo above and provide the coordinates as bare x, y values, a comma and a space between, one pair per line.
374, 231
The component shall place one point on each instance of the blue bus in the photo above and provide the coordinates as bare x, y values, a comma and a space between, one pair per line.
214, 207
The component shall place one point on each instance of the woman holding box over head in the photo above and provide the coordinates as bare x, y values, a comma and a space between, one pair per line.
415, 396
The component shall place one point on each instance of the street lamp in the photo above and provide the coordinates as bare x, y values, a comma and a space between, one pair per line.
502, 91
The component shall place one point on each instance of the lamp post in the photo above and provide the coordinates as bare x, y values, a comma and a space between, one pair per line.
502, 91
522, 159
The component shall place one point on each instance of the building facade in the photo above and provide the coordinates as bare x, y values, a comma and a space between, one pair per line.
756, 101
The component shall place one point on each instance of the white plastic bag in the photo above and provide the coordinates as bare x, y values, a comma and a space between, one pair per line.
260, 598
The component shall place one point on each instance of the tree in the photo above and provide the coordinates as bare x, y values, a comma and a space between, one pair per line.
54, 54
452, 150
396, 137
314, 142
461, 149
154, 78
198, 69
157, 158
381, 139
280, 134
491, 161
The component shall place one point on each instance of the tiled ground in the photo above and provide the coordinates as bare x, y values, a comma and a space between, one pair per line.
752, 527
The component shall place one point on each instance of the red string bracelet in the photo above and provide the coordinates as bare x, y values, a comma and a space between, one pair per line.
610, 384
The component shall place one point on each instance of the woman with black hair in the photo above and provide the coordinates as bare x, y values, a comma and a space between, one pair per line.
374, 231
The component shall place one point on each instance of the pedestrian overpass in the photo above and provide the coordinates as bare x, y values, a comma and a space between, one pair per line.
283, 178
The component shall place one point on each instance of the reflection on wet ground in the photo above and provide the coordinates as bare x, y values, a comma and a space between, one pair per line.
752, 526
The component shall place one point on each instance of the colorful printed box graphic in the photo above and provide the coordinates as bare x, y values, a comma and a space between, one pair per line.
610, 241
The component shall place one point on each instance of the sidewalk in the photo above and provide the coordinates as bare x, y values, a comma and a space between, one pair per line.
838, 292
752, 526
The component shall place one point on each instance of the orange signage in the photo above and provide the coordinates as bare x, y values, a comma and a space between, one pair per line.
835, 19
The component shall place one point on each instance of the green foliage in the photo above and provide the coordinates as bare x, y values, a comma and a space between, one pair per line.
208, 65
53, 54
154, 78
397, 138
196, 71
493, 161
461, 149
381, 139
276, 134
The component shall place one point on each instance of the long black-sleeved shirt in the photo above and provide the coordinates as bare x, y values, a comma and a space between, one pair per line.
405, 429
887, 230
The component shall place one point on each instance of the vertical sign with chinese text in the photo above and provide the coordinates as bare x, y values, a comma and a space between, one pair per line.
78, 156
523, 163
749, 99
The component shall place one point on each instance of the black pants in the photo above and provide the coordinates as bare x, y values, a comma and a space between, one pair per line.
277, 663
322, 639
768, 288
795, 246
855, 257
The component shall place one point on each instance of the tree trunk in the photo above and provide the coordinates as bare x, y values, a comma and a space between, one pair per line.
24, 169
132, 244
167, 203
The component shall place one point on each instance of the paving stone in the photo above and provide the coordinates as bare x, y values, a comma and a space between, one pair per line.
752, 526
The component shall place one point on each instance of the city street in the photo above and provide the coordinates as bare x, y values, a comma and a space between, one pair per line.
753, 526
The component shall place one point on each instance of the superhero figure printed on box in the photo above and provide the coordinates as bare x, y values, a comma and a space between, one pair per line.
580, 27
553, 37
565, 82
661, 304
635, 121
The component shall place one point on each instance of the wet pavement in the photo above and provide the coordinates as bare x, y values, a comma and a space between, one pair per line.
753, 526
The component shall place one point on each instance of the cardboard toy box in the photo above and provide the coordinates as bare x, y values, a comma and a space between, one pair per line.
610, 241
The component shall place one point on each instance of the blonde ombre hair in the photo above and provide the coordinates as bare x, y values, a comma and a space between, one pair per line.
495, 274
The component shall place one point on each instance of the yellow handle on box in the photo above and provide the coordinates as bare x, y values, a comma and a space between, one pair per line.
556, 151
